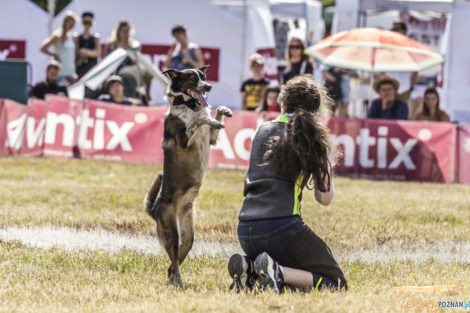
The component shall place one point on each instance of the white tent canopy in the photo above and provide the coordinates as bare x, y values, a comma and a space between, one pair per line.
441, 6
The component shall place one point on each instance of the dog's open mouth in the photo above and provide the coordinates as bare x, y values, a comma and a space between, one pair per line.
198, 96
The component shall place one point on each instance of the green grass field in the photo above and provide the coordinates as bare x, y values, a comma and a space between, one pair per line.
99, 195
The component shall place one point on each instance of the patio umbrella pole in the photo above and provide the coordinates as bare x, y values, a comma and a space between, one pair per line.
371, 81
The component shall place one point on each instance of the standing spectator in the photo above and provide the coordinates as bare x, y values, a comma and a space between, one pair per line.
88, 46
281, 30
337, 83
297, 62
252, 90
270, 103
115, 91
333, 79
50, 84
121, 38
346, 91
132, 74
183, 54
430, 110
64, 48
388, 106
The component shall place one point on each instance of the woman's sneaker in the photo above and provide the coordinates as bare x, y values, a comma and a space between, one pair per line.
240, 268
269, 271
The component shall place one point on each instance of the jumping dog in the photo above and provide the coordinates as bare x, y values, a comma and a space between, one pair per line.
188, 133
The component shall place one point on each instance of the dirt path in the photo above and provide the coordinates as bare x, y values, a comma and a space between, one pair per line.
73, 240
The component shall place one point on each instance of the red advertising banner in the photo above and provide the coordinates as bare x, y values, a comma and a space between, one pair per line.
13, 118
234, 143
121, 133
12, 49
62, 126
379, 149
464, 154
403, 150
343, 132
35, 127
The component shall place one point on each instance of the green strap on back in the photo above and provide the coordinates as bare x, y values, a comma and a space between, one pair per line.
297, 191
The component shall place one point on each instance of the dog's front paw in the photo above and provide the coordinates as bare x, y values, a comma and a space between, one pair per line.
218, 125
222, 110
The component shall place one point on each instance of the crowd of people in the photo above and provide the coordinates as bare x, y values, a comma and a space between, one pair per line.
75, 54
393, 88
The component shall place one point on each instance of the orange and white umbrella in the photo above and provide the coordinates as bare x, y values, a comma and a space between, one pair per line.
374, 50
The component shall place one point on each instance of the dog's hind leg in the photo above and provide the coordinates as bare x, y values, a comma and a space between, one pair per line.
186, 230
167, 230
219, 117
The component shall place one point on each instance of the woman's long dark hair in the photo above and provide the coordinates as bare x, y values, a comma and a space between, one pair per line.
426, 111
303, 149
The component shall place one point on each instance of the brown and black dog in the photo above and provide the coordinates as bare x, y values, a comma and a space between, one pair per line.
188, 133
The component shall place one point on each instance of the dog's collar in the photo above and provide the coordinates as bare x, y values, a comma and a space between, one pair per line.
180, 98
173, 94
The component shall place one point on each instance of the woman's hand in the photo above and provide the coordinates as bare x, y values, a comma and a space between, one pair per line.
325, 198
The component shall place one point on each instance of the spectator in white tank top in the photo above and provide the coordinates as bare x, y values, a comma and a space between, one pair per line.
63, 48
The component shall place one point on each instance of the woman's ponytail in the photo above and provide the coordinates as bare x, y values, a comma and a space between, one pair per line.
303, 149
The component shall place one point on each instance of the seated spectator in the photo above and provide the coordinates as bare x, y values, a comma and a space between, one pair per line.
430, 110
88, 46
388, 106
115, 92
183, 54
270, 103
252, 90
50, 85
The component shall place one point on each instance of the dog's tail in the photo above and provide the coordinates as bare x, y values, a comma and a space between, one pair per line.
152, 194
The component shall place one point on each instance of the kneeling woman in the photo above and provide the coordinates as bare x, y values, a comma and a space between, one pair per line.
288, 154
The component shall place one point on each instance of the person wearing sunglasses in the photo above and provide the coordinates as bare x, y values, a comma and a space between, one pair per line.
88, 46
297, 62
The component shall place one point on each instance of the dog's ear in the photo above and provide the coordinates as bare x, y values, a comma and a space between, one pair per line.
172, 74
203, 69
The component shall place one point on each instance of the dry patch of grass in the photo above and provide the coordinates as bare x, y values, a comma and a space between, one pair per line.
86, 194
89, 194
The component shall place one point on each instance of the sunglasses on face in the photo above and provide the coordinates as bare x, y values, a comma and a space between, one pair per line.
295, 47
87, 23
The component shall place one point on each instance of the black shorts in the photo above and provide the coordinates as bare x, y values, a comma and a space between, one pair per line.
292, 244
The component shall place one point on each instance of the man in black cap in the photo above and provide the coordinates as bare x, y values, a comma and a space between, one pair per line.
115, 92
50, 84
88, 46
